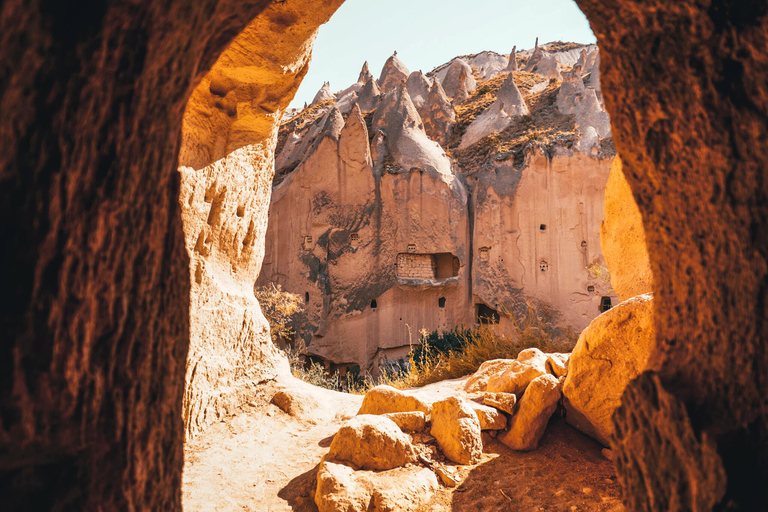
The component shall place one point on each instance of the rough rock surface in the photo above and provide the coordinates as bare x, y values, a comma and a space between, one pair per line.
411, 421
617, 346
502, 401
456, 428
489, 417
533, 413
438, 115
323, 94
557, 364
369, 95
622, 238
517, 374
418, 87
386, 399
341, 489
372, 442
393, 74
458, 77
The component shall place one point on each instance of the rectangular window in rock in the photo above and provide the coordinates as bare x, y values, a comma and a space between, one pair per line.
307, 242
486, 314
354, 239
483, 252
411, 247
605, 304
446, 265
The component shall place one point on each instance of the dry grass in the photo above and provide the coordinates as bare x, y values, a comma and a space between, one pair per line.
481, 344
544, 126
283, 311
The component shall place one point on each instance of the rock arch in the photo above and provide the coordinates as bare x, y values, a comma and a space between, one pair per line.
99, 287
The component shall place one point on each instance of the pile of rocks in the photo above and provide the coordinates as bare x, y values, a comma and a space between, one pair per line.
392, 455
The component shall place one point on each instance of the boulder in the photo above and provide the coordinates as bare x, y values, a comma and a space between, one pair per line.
342, 489
489, 417
614, 349
533, 413
456, 428
412, 421
393, 74
372, 442
502, 401
386, 399
557, 363
478, 381
530, 364
622, 238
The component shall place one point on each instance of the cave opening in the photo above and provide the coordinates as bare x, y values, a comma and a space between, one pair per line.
67, 265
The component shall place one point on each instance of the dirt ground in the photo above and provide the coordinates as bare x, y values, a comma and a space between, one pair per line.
262, 459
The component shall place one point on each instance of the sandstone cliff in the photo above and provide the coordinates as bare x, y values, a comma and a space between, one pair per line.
440, 198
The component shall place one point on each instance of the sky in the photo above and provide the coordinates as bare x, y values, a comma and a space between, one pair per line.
427, 33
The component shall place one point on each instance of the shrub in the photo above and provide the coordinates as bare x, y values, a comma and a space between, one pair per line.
283, 311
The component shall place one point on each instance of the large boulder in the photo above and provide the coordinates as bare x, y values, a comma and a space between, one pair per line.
533, 413
614, 349
386, 399
456, 428
372, 442
411, 421
622, 238
489, 417
502, 401
341, 489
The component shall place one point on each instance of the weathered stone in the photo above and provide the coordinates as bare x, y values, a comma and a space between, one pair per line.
372, 442
457, 430
557, 364
323, 94
393, 74
458, 76
411, 421
447, 475
616, 347
438, 115
369, 96
533, 413
622, 238
501, 401
489, 417
512, 66
478, 381
530, 364
386, 399
418, 87
341, 489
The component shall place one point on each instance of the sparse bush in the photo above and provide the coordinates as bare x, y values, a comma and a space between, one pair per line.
283, 311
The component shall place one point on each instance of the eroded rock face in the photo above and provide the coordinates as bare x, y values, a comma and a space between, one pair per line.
508, 106
393, 74
456, 428
622, 238
617, 346
458, 77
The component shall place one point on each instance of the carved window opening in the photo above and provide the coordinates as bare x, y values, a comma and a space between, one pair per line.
374, 304
605, 304
583, 243
483, 253
307, 242
411, 247
441, 302
442, 265
354, 239
542, 227
486, 314
590, 288
306, 297
543, 266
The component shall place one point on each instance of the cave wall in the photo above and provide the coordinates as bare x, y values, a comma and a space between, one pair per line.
685, 86
97, 297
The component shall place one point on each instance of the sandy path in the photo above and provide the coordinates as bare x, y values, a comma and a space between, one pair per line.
263, 459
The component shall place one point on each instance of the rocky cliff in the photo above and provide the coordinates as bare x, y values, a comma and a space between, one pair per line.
430, 201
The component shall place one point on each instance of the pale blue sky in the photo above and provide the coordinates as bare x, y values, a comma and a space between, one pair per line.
427, 33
